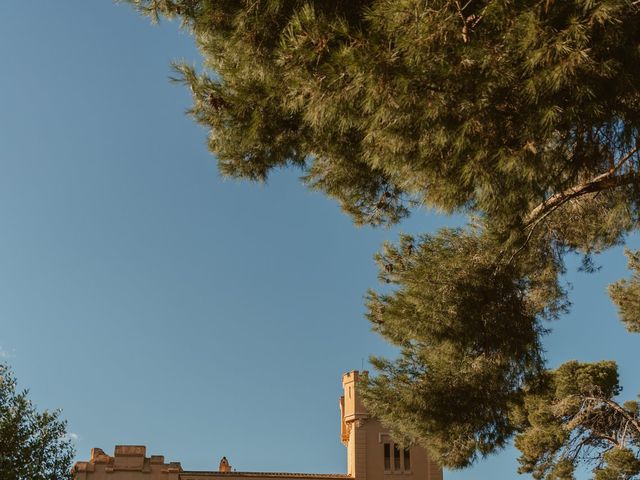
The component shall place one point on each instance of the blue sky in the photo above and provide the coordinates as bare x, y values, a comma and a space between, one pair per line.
157, 303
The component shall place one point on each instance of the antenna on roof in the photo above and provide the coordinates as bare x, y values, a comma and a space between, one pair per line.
362, 364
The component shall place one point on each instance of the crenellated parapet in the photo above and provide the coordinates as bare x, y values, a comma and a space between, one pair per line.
126, 459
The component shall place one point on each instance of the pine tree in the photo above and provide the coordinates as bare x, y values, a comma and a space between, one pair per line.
33, 445
523, 115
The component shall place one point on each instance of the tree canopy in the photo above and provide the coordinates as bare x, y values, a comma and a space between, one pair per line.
33, 445
523, 115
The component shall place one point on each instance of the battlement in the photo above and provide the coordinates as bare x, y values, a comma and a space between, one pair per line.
126, 458
351, 405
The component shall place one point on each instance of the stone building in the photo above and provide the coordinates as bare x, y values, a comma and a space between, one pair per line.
371, 455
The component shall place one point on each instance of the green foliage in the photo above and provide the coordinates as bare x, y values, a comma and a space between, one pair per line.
571, 416
524, 115
619, 464
626, 294
489, 106
468, 330
33, 445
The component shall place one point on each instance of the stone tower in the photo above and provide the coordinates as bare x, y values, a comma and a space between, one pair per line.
371, 452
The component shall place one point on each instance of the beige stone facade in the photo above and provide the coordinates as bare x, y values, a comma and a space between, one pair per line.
371, 455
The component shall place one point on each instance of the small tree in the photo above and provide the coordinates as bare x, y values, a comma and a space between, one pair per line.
33, 445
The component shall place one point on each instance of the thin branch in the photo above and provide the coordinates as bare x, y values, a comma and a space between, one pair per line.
623, 437
604, 181
578, 448
608, 438
533, 227
624, 159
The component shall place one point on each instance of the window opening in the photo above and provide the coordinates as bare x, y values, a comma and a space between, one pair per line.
407, 460
396, 458
387, 457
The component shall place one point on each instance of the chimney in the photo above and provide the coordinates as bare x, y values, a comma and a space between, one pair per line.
224, 465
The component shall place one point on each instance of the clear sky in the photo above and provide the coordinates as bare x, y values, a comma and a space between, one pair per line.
157, 303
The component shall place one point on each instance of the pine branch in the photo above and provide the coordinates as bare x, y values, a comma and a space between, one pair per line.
623, 438
618, 409
605, 181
